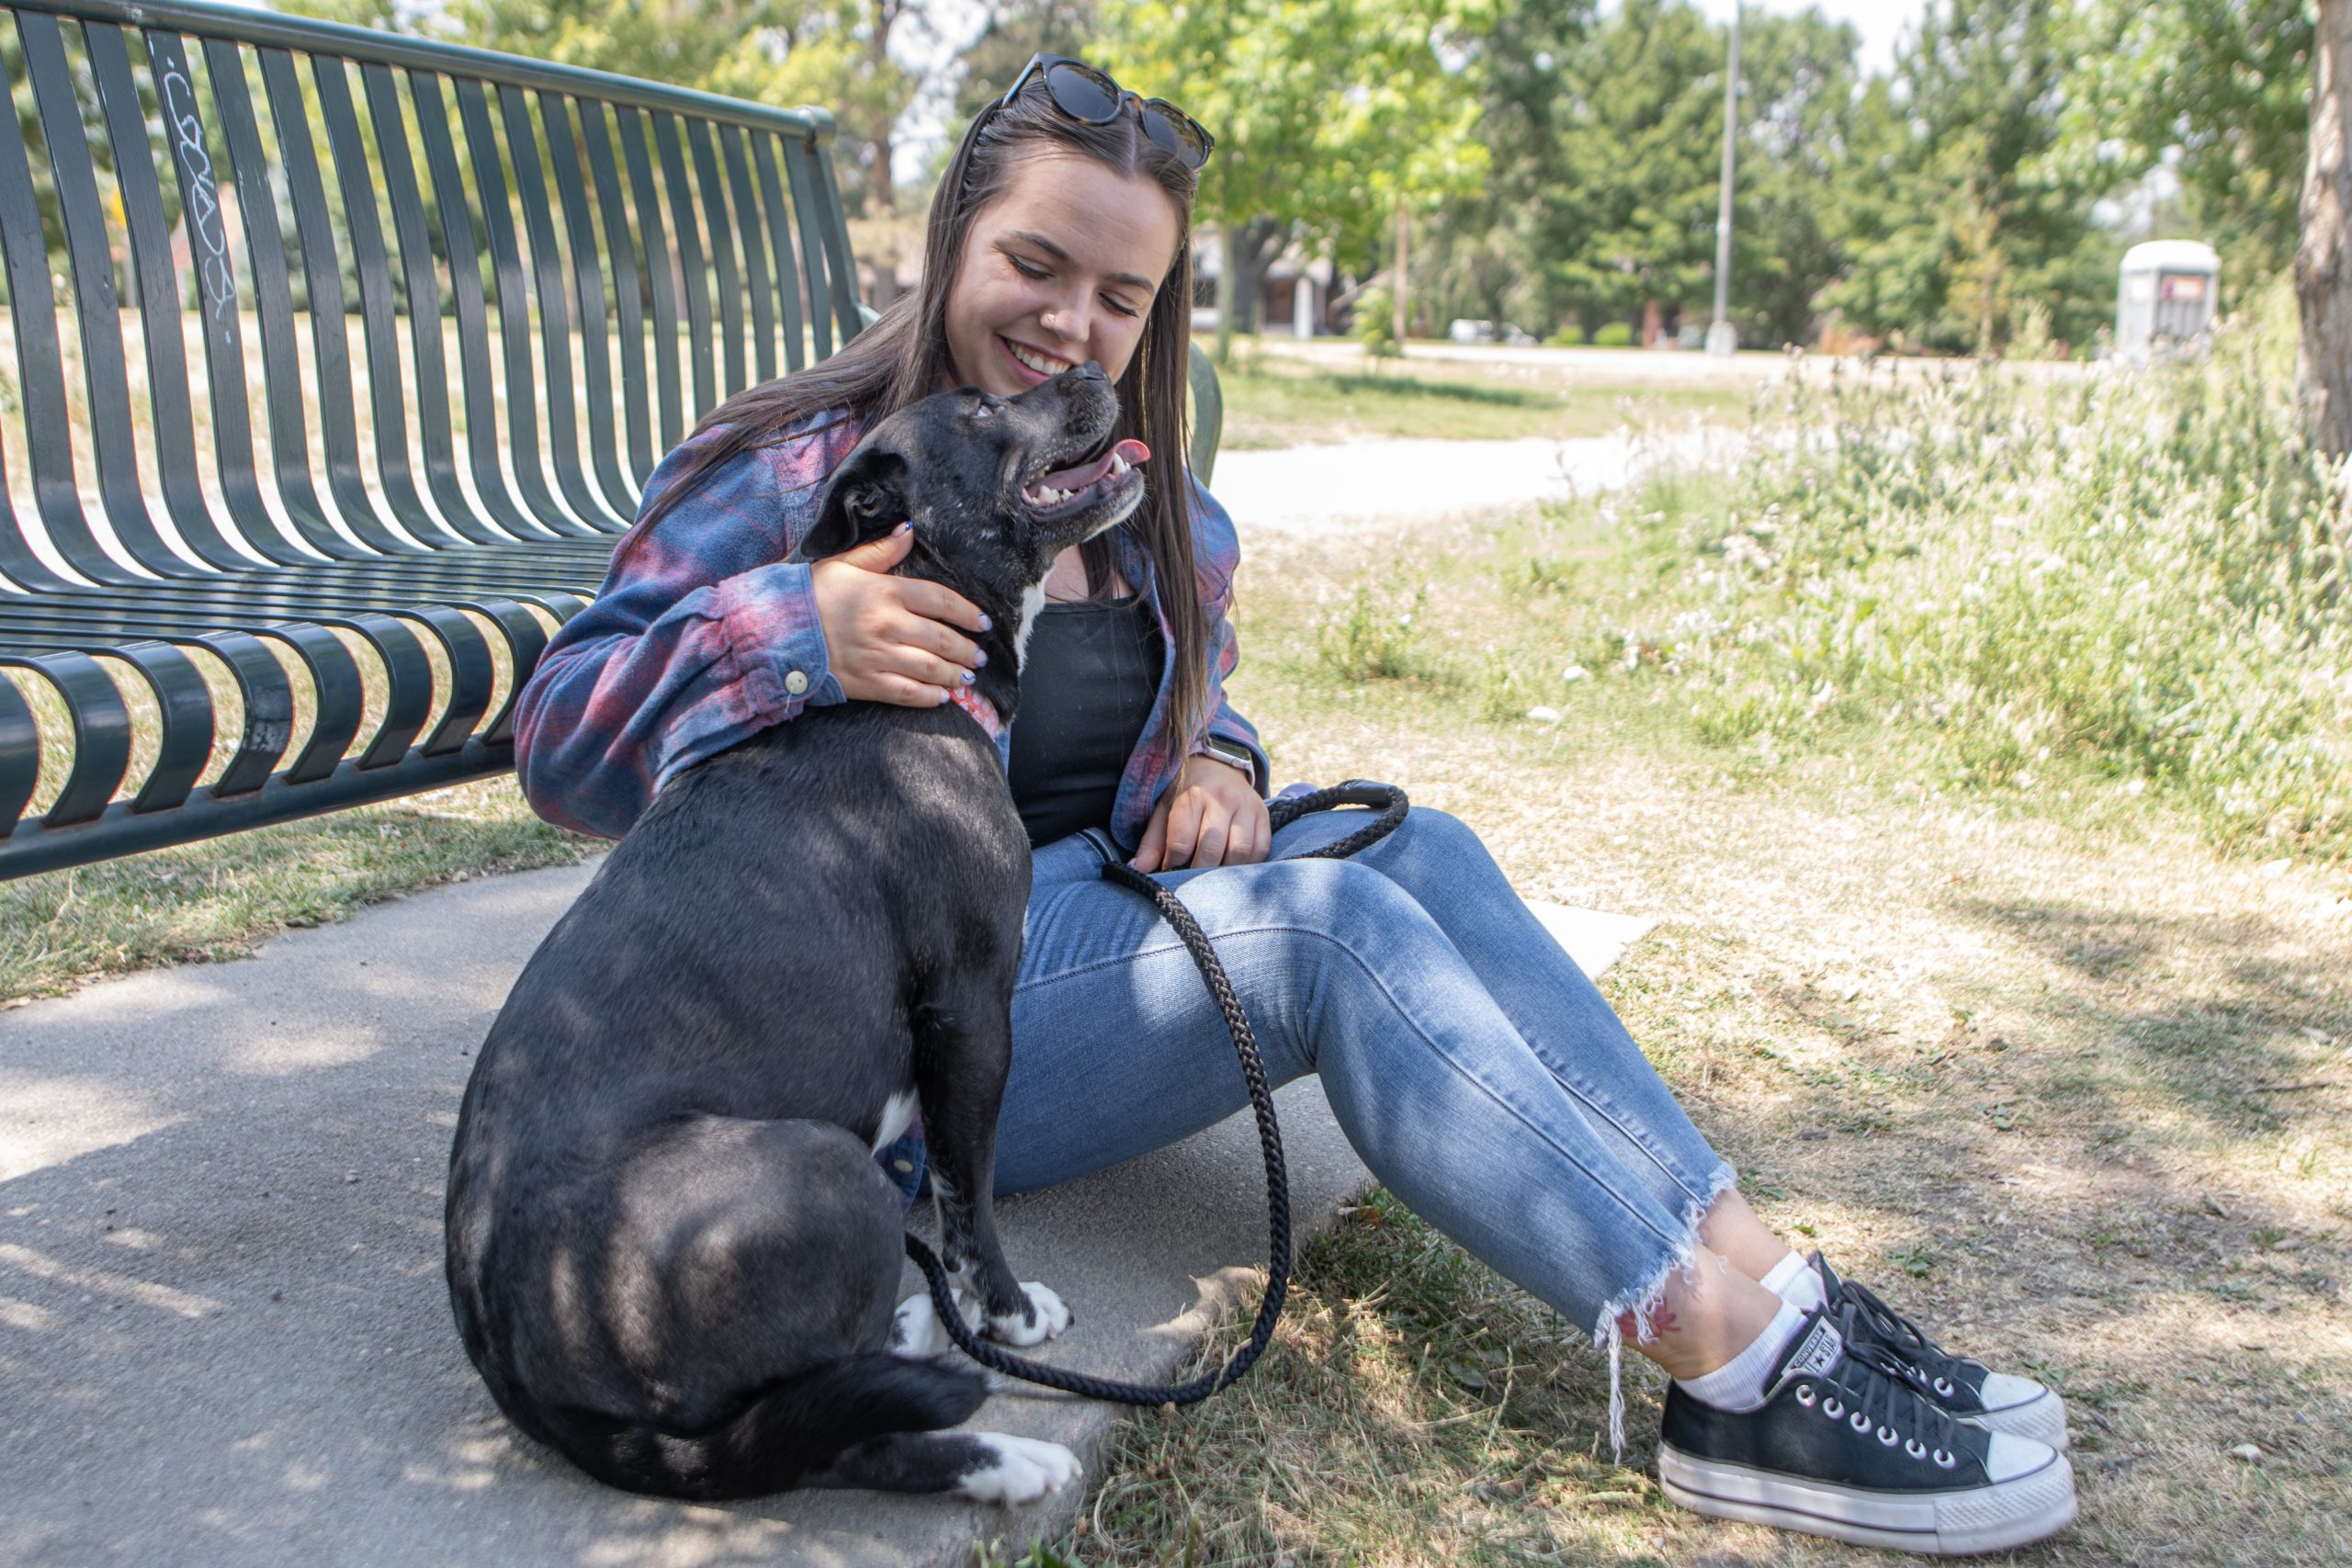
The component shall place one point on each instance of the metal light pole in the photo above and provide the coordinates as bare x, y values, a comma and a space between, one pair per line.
1722, 338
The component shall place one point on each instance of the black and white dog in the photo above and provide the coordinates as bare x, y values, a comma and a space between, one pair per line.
671, 1255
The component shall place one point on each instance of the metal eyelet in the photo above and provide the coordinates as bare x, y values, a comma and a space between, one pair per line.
1831, 1409
1945, 1459
1859, 1422
1944, 1387
1805, 1395
1915, 1448
1888, 1436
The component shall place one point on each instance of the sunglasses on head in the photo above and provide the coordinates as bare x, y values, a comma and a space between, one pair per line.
1092, 97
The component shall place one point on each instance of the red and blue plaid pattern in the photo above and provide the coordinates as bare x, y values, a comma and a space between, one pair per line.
703, 634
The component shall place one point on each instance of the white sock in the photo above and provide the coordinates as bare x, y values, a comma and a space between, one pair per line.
1738, 1384
1793, 1280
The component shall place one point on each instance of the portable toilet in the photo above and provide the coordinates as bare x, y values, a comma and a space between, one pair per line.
2165, 299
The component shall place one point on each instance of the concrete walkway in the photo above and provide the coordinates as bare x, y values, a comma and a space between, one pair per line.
1310, 491
224, 1337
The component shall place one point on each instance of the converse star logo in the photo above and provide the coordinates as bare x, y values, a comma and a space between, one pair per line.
1817, 1354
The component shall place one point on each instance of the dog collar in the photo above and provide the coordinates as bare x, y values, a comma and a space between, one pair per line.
983, 711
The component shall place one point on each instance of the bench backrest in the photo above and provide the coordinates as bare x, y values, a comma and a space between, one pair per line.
280, 288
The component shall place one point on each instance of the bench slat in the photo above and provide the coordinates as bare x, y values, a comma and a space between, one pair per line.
204, 223
171, 419
787, 275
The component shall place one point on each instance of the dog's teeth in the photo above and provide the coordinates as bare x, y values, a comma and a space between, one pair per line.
1118, 464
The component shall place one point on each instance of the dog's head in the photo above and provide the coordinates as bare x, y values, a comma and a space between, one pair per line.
996, 486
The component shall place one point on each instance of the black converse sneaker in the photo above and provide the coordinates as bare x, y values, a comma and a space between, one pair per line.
1848, 1444
1968, 1389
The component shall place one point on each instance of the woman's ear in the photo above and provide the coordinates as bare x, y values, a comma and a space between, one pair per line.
864, 499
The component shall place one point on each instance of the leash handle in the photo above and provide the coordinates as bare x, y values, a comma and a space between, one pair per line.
1390, 803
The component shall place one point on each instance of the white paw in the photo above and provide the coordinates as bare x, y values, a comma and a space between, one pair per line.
1050, 1318
1024, 1469
916, 1332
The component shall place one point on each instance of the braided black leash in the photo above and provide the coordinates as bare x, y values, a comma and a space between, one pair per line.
1390, 803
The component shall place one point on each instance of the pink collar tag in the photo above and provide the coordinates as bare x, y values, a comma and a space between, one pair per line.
983, 712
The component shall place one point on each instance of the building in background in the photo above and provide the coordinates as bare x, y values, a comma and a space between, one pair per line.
1293, 297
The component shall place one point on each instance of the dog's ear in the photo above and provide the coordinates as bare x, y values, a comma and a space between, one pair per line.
866, 499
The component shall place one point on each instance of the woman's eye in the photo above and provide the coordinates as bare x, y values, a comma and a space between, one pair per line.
1025, 269
1120, 307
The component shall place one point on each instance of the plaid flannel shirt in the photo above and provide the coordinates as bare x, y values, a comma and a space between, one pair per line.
704, 634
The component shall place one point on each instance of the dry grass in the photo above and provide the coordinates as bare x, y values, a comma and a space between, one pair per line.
2054, 1073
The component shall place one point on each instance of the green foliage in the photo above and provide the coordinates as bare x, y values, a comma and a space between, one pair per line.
1375, 324
1328, 113
1570, 335
1614, 334
1961, 205
2139, 578
2227, 82
1377, 634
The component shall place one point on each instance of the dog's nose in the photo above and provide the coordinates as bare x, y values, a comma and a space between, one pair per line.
1089, 371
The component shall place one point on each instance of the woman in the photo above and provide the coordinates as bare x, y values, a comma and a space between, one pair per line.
1478, 1072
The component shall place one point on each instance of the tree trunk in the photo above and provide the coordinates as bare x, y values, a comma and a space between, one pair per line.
881, 197
2322, 276
1253, 251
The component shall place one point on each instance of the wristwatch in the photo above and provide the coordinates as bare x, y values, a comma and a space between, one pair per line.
1233, 754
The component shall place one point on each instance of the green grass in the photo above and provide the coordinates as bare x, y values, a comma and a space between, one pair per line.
1271, 402
218, 900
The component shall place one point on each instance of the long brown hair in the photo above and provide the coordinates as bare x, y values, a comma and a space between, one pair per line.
903, 357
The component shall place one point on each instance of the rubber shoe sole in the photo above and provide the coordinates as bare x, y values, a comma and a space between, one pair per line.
2042, 1419
1962, 1523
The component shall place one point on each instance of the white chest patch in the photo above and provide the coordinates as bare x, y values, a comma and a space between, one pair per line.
1032, 601
896, 1115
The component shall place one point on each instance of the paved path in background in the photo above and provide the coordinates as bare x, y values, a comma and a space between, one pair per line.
225, 1340
1312, 492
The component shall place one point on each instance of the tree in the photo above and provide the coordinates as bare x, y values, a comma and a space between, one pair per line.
1486, 253
1640, 143
2322, 272
1796, 132
1016, 30
1328, 114
1960, 210
2222, 86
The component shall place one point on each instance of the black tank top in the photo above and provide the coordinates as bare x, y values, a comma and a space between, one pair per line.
1087, 685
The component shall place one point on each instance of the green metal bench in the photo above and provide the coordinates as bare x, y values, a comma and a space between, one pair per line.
483, 296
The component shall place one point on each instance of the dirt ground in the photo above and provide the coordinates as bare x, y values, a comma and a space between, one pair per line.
2070, 1086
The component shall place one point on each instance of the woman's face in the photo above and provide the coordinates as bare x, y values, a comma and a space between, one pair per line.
1059, 269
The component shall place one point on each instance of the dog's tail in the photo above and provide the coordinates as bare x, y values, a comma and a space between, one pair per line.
786, 1430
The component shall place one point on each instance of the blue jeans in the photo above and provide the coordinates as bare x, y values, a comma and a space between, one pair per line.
1478, 1073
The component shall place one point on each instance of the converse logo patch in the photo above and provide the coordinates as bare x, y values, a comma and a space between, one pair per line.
1819, 1351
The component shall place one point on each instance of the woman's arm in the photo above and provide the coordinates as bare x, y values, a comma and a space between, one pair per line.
1210, 812
702, 635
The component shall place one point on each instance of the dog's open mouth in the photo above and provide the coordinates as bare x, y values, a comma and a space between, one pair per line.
1066, 491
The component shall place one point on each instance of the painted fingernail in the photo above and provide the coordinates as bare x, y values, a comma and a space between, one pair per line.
968, 677
986, 624
984, 659
945, 696
904, 527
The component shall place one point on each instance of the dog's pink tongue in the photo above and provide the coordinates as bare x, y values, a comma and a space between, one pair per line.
1077, 479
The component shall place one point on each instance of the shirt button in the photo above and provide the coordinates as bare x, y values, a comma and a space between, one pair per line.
796, 681
903, 1167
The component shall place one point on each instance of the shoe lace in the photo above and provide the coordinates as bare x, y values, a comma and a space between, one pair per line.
1875, 1390
1862, 1307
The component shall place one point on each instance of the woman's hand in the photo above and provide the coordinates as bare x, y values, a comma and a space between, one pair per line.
1210, 815
893, 640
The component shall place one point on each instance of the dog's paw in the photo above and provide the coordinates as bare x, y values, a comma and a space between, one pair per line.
1047, 1317
1021, 1470
916, 1332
